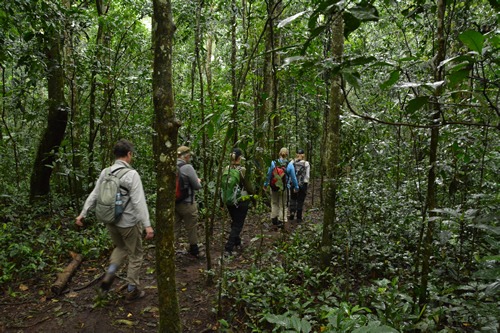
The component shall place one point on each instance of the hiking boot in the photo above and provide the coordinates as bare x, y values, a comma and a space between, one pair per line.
134, 294
107, 281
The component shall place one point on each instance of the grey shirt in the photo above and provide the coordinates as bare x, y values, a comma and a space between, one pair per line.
190, 177
136, 210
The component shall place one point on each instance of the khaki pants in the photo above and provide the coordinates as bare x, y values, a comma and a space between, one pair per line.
128, 242
278, 205
187, 214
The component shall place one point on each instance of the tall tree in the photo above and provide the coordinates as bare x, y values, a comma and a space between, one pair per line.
431, 201
57, 119
332, 144
165, 145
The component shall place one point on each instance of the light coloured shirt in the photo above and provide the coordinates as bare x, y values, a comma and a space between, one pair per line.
308, 170
136, 209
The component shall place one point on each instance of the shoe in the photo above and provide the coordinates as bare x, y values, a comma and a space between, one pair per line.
107, 281
134, 294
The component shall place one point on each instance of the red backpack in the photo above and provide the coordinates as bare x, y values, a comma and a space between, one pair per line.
278, 176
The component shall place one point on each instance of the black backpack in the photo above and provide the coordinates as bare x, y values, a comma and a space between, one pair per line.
300, 171
181, 188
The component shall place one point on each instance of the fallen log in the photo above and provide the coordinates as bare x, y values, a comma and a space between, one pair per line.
64, 276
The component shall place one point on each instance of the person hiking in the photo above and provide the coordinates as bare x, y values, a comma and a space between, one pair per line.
279, 175
236, 196
302, 171
186, 208
126, 232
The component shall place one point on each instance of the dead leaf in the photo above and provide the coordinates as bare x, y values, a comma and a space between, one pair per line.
23, 287
125, 322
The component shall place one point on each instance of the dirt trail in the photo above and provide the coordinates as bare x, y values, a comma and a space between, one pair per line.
75, 310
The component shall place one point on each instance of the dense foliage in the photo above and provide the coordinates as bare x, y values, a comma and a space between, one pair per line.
391, 97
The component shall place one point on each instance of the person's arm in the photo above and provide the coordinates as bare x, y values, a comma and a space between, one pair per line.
138, 200
268, 176
290, 169
246, 181
90, 202
192, 176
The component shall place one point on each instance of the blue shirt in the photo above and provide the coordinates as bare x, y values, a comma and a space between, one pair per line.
290, 173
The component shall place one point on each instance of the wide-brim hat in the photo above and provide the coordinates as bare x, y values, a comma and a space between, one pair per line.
183, 150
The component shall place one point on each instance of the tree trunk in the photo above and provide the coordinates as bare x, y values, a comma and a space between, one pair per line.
93, 126
332, 146
56, 122
165, 146
431, 203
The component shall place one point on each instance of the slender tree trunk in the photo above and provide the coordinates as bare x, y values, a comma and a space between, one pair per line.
165, 145
332, 147
96, 68
56, 122
75, 128
431, 203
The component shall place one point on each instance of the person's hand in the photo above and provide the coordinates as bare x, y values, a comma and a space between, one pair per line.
79, 221
149, 233
264, 188
295, 190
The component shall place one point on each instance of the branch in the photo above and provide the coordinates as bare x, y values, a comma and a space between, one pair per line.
380, 121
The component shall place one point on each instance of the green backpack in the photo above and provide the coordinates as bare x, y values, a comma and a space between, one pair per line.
231, 189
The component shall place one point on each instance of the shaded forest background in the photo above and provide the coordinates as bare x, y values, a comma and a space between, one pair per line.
394, 102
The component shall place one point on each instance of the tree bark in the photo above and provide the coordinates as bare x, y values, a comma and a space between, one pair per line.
332, 146
165, 146
56, 122
63, 278
431, 203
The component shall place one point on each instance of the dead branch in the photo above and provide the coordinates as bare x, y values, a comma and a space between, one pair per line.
63, 278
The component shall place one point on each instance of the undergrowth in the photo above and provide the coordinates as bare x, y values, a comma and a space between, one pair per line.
288, 292
34, 244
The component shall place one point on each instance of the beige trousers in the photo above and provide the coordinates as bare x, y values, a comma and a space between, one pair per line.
128, 242
187, 214
278, 205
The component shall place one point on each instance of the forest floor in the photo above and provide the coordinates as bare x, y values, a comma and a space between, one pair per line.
34, 309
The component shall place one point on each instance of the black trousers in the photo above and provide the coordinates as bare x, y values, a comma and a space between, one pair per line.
238, 215
297, 199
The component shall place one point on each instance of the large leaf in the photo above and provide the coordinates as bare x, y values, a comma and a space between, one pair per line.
473, 40
290, 19
393, 78
352, 78
354, 16
375, 329
417, 103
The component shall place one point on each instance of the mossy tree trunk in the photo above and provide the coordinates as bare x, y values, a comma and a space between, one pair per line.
165, 145
332, 145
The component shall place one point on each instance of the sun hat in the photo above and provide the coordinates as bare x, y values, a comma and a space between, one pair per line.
183, 150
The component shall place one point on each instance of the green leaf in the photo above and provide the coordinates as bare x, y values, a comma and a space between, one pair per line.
375, 329
417, 103
473, 40
290, 19
393, 78
353, 79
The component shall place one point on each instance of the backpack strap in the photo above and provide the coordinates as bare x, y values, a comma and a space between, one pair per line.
120, 172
